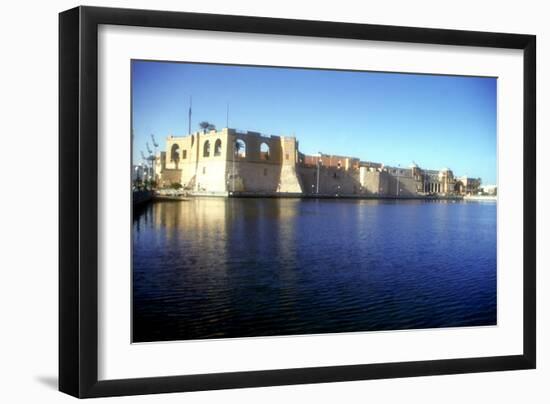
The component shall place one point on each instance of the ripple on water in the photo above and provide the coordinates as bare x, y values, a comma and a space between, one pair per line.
216, 268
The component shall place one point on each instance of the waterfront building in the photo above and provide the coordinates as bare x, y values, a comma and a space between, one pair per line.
229, 161
141, 173
489, 189
138, 172
468, 186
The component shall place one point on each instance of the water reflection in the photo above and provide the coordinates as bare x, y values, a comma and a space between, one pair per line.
210, 268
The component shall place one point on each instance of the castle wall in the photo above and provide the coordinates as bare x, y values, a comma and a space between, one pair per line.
169, 177
403, 182
332, 181
403, 186
255, 170
375, 183
384, 183
210, 173
289, 181
210, 162
211, 176
255, 177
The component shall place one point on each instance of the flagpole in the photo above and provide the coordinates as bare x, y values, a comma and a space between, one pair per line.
190, 108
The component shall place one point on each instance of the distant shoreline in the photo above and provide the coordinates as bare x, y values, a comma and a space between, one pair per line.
256, 195
298, 196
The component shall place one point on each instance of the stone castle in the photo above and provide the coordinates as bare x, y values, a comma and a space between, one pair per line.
230, 162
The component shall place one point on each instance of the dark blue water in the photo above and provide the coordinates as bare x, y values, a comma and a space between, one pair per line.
220, 268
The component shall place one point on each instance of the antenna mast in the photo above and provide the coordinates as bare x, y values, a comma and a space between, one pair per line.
190, 108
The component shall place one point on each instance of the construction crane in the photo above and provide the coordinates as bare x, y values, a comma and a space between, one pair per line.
155, 144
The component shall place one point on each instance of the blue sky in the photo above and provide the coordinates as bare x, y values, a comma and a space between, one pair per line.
435, 121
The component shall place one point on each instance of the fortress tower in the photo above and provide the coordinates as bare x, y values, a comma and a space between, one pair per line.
226, 161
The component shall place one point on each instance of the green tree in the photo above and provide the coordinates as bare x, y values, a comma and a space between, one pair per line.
206, 126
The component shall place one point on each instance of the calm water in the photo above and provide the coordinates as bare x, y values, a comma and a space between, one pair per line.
216, 268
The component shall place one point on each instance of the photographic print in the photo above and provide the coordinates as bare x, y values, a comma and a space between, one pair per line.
276, 201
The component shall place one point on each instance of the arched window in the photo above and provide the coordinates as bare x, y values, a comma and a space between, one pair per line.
206, 149
175, 153
240, 148
218, 148
264, 151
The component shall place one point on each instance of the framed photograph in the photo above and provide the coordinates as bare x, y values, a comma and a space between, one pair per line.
251, 202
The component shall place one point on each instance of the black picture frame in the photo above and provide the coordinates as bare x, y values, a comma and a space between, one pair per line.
78, 201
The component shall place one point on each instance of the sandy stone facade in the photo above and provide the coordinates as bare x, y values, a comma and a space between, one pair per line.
248, 163
226, 161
